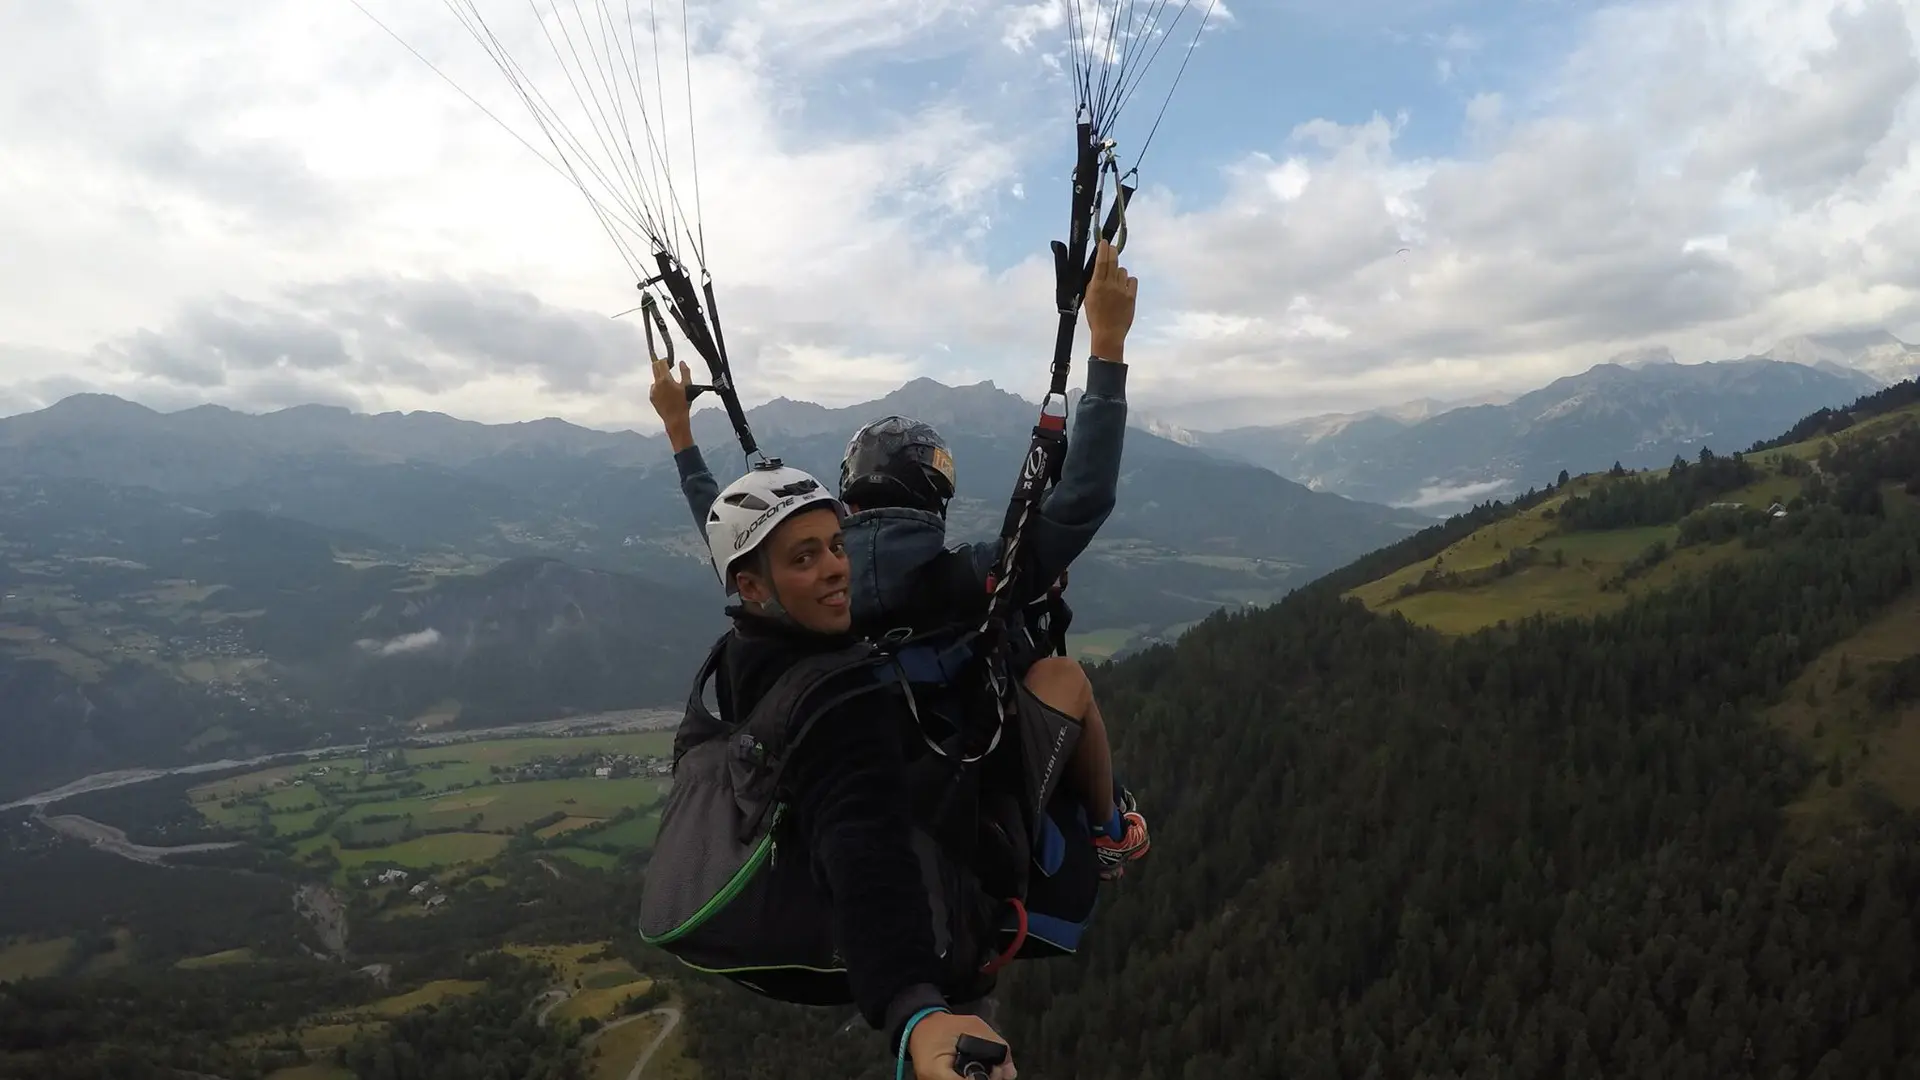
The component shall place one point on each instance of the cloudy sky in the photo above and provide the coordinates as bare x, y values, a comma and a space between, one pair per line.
1349, 202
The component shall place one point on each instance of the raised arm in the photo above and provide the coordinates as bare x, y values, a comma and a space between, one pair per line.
1071, 514
675, 409
1080, 503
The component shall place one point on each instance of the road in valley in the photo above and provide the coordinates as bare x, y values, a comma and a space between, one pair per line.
673, 1021
625, 720
559, 995
550, 1001
672, 1014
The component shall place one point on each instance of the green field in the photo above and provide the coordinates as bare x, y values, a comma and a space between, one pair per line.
219, 959
32, 959
1099, 644
313, 1072
295, 823
322, 1033
510, 751
1828, 708
601, 1002
615, 1051
637, 832
593, 860
565, 825
508, 807
427, 852
1870, 428
1574, 574
455, 763
448, 806
432, 993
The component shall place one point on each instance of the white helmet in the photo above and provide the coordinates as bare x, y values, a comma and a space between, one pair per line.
753, 506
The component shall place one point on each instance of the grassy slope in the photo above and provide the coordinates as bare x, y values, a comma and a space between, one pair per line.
32, 959
1878, 750
614, 1053
313, 1072
1827, 708
1571, 589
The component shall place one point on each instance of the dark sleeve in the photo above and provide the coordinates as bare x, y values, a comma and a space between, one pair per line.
1072, 512
1078, 505
851, 806
696, 485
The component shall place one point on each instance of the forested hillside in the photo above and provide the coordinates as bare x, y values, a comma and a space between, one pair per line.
1557, 846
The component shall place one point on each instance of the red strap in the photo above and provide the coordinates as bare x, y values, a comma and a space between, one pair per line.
1019, 939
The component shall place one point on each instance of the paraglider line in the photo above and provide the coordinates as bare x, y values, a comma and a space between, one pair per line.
1148, 141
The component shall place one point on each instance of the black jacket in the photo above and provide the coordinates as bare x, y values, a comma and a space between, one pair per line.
852, 811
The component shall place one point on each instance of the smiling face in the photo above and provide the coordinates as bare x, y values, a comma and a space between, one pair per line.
803, 565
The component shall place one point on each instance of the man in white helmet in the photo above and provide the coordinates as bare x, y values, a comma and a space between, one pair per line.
778, 527
897, 477
775, 538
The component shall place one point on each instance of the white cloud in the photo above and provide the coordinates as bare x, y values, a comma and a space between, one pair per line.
274, 202
272, 159
404, 643
1432, 495
1707, 175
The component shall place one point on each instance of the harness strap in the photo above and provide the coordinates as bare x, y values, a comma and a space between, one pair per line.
1019, 938
1040, 470
935, 665
686, 736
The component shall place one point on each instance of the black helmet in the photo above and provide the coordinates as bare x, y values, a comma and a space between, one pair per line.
895, 461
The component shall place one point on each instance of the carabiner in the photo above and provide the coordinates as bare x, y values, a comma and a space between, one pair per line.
649, 318
1120, 203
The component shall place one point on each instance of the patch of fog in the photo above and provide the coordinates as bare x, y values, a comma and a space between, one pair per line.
1431, 495
405, 643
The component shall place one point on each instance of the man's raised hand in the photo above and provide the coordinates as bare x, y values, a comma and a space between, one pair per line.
1111, 293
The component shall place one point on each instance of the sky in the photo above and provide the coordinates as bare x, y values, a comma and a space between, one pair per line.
1347, 203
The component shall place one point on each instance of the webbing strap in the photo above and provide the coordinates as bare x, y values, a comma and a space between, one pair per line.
702, 328
934, 665
1040, 469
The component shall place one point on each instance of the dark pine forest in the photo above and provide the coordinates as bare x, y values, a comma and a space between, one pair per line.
1553, 848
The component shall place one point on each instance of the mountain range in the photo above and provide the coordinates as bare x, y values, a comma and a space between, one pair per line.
1640, 409
215, 581
209, 582
610, 499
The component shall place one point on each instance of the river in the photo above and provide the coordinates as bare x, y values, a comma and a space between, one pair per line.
626, 720
110, 839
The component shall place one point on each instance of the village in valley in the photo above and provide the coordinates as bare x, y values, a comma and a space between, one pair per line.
424, 890
411, 825
599, 766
